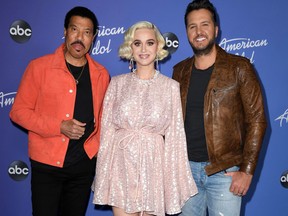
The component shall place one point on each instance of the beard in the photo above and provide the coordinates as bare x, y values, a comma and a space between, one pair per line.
204, 50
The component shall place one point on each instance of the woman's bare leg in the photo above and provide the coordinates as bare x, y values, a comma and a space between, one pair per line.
120, 212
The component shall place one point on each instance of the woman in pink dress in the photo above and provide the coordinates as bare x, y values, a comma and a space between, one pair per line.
142, 165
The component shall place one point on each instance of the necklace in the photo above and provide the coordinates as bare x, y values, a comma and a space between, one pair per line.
145, 82
155, 73
76, 80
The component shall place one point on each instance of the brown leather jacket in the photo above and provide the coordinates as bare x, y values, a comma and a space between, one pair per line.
234, 117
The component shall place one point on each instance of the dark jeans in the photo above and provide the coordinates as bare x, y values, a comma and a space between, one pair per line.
62, 191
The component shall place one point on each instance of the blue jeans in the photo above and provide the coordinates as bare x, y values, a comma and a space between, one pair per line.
213, 194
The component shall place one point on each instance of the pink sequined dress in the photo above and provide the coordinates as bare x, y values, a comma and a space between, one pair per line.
142, 162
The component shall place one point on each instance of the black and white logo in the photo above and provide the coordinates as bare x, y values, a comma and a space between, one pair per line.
284, 179
20, 31
171, 42
18, 170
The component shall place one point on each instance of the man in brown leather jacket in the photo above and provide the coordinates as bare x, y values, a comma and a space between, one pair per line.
224, 117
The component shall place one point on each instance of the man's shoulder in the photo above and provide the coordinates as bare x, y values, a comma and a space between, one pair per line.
231, 62
230, 57
96, 66
46, 58
183, 63
42, 60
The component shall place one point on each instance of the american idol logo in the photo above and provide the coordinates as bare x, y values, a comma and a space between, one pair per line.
239, 45
101, 47
6, 99
283, 118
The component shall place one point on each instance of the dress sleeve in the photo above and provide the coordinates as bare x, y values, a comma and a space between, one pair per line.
100, 186
179, 183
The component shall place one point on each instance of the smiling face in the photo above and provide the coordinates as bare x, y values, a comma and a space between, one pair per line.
78, 39
201, 31
144, 48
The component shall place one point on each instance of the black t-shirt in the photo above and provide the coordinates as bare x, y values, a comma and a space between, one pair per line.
194, 120
83, 112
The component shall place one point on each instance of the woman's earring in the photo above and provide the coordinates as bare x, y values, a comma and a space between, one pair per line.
157, 63
131, 64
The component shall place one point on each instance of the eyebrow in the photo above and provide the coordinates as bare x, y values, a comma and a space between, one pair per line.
75, 25
146, 40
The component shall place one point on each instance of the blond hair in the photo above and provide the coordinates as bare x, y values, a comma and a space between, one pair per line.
125, 50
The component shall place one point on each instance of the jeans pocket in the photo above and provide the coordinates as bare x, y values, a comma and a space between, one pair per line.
232, 169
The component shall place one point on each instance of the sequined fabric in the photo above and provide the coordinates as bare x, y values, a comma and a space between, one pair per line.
142, 163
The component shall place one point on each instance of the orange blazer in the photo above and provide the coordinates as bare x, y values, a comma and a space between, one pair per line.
46, 97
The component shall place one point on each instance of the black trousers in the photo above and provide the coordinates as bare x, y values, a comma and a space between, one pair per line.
62, 191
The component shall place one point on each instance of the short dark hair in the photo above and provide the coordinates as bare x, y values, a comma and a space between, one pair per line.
201, 4
83, 12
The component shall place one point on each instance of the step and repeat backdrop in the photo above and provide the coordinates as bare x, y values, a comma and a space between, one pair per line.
251, 28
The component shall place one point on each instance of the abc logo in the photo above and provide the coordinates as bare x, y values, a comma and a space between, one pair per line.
20, 31
284, 179
18, 170
171, 42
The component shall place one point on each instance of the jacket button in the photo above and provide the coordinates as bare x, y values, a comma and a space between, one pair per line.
63, 139
67, 115
58, 163
71, 91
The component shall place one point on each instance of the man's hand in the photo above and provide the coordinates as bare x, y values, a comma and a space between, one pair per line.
240, 182
73, 129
